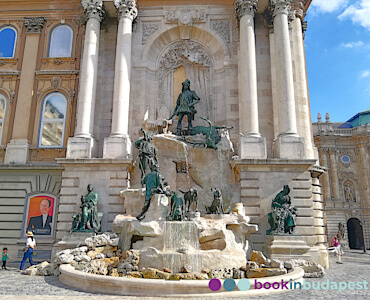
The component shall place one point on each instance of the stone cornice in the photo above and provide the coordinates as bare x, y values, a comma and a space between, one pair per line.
126, 8
34, 25
93, 9
280, 7
245, 7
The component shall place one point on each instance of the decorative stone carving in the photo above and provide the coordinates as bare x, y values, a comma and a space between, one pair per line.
243, 7
56, 82
126, 8
177, 54
148, 29
347, 175
223, 28
185, 16
182, 50
299, 10
34, 25
2, 62
93, 8
349, 192
280, 7
355, 214
71, 95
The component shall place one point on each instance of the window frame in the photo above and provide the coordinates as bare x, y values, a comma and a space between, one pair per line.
39, 139
15, 39
51, 35
2, 121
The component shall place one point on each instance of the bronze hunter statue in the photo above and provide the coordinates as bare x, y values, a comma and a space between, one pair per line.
147, 154
185, 106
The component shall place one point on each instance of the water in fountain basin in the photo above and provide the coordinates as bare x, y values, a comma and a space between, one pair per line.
181, 246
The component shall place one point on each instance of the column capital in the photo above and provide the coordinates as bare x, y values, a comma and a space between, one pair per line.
34, 25
126, 8
245, 7
93, 9
280, 7
299, 9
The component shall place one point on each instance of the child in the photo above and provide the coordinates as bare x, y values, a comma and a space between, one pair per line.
4, 258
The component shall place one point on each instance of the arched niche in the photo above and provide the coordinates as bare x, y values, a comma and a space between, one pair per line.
203, 56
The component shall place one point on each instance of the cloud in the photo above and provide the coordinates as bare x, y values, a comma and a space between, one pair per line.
359, 13
352, 44
365, 74
327, 6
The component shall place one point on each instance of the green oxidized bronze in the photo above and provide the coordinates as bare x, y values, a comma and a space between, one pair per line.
147, 154
283, 215
89, 220
177, 212
153, 185
185, 106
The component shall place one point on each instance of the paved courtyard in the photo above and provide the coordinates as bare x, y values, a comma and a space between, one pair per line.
355, 268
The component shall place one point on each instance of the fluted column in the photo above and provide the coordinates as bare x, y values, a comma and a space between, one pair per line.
82, 145
118, 144
251, 144
288, 144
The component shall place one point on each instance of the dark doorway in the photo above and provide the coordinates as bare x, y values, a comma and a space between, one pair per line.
355, 234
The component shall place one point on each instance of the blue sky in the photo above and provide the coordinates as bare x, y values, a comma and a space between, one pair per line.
338, 57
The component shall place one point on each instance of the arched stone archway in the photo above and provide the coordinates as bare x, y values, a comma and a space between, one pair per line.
204, 56
355, 234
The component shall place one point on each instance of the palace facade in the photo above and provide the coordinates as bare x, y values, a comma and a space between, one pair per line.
79, 77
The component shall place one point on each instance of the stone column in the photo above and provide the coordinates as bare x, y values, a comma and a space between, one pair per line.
251, 144
118, 144
17, 151
325, 176
301, 85
83, 145
335, 194
363, 166
288, 143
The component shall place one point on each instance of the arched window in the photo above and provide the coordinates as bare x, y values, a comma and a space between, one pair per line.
8, 38
53, 117
61, 39
2, 114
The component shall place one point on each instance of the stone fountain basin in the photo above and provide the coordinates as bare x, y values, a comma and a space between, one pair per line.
164, 288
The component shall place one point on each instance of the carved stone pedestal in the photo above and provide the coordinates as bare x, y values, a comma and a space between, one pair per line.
81, 147
289, 147
117, 147
286, 247
251, 147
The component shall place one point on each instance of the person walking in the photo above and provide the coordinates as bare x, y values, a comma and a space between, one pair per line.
30, 245
4, 258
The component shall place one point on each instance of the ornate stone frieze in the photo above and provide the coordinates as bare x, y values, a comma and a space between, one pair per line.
280, 7
182, 50
343, 176
93, 8
148, 29
126, 8
223, 28
354, 214
34, 25
244, 7
185, 16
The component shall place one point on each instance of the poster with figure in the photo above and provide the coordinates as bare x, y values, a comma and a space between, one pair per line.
39, 217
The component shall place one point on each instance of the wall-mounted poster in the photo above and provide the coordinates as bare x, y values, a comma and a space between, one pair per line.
39, 216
